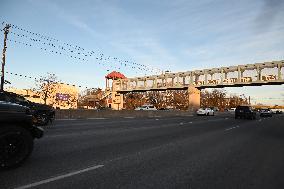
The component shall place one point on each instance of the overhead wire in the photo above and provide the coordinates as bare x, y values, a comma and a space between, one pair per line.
39, 38
37, 78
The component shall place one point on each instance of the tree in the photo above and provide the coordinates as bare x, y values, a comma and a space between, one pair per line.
47, 86
134, 100
94, 98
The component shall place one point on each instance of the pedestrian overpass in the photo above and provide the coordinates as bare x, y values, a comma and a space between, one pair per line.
266, 73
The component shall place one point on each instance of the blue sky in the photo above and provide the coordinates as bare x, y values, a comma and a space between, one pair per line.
178, 35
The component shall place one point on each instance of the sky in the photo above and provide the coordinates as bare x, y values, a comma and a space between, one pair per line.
180, 35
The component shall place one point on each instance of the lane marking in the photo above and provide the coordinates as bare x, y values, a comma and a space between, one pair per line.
181, 123
237, 126
190, 122
59, 177
129, 117
66, 119
157, 119
96, 118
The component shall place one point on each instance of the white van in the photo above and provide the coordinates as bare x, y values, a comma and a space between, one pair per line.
146, 107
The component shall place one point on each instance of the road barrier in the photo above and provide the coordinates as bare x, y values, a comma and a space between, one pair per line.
84, 114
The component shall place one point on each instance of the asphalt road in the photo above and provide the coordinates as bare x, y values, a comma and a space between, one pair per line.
174, 152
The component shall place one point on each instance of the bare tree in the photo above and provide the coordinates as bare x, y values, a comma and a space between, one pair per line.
92, 98
47, 86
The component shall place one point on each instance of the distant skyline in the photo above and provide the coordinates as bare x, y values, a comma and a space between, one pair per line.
178, 35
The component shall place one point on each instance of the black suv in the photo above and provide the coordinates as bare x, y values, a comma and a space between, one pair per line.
17, 134
42, 114
245, 112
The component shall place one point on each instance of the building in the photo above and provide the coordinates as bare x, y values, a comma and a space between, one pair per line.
62, 97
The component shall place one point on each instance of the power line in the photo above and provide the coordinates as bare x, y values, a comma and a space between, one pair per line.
37, 37
36, 78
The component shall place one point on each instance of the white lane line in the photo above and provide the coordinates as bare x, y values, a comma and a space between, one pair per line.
190, 122
96, 118
157, 119
129, 117
66, 119
232, 128
59, 177
226, 118
181, 123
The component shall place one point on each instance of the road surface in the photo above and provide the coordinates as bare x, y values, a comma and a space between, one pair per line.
174, 152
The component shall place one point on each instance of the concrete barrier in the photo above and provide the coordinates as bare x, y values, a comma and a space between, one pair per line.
84, 114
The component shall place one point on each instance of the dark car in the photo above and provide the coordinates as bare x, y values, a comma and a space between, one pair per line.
43, 114
278, 112
17, 134
266, 112
245, 112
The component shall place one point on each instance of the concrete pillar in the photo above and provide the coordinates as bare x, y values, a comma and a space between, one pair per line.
258, 71
145, 83
173, 81
193, 98
136, 82
239, 74
128, 85
166, 80
279, 72
206, 77
191, 79
117, 101
155, 83
196, 79
222, 76
177, 80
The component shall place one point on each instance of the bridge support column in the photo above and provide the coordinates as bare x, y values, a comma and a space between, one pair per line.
193, 98
117, 101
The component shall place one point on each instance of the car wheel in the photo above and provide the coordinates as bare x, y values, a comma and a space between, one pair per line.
42, 120
16, 144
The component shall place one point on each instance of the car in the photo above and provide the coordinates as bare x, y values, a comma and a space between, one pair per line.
278, 112
146, 107
232, 109
42, 114
205, 111
266, 112
245, 112
17, 134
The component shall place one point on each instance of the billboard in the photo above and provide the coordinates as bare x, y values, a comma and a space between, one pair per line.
63, 97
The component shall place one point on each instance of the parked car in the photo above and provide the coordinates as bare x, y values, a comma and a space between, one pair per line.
43, 114
17, 134
146, 107
245, 112
205, 111
265, 112
278, 112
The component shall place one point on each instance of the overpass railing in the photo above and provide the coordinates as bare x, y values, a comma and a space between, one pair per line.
250, 74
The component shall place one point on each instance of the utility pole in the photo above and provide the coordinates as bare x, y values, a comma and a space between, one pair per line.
6, 31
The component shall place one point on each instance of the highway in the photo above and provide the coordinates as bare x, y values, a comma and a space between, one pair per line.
160, 152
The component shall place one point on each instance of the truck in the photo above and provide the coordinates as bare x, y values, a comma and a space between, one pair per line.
17, 134
42, 114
